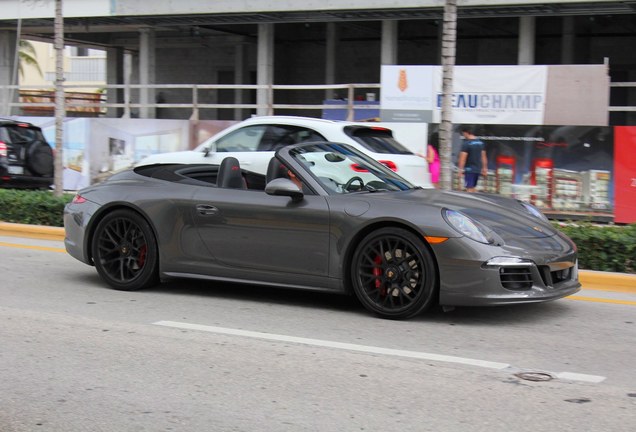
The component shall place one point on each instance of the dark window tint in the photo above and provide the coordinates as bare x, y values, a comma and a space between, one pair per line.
378, 140
22, 135
277, 136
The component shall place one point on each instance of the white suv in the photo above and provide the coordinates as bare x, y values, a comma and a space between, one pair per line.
254, 141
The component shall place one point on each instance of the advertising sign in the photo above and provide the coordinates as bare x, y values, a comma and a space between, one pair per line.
495, 94
529, 95
407, 93
625, 172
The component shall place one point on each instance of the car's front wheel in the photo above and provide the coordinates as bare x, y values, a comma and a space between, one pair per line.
125, 251
393, 274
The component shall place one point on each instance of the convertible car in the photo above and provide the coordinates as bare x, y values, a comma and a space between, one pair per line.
324, 217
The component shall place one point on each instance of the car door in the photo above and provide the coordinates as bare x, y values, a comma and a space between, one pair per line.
252, 230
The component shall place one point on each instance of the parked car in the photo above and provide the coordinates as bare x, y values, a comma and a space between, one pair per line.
26, 159
324, 217
262, 136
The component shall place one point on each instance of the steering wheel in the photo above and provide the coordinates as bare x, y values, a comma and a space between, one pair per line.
348, 184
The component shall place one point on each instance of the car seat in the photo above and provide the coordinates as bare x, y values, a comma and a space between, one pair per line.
230, 174
275, 169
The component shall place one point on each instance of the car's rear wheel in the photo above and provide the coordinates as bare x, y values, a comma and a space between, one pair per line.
125, 251
393, 274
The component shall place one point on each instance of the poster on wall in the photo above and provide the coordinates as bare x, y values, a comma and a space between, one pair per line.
95, 148
561, 169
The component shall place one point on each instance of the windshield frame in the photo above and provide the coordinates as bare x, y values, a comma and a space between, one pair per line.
290, 155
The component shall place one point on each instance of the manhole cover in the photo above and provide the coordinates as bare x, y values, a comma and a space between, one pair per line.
534, 376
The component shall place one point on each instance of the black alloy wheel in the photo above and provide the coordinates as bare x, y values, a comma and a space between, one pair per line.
393, 274
125, 251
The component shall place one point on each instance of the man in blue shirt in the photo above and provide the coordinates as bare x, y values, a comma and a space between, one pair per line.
472, 159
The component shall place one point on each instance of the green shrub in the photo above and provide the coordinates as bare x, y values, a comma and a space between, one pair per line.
32, 207
603, 247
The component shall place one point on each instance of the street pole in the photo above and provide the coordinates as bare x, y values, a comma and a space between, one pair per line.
449, 44
60, 109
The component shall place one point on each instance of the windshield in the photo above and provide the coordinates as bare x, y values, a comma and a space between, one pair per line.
340, 169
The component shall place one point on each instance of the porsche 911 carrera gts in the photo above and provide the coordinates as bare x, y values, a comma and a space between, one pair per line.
324, 217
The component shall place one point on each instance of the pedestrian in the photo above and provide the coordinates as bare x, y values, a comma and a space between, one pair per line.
432, 157
472, 158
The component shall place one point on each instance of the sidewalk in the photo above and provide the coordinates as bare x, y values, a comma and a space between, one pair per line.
594, 280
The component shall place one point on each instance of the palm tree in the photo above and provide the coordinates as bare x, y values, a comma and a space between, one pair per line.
26, 56
449, 40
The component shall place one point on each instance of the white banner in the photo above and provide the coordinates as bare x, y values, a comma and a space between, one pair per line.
481, 94
495, 94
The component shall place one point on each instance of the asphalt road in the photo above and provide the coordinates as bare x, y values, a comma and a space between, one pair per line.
196, 356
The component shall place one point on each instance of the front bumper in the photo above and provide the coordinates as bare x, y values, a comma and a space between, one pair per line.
508, 276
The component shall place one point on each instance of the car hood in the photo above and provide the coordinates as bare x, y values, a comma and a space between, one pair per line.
505, 216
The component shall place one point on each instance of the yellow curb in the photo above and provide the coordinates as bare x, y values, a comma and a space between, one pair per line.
598, 280
31, 231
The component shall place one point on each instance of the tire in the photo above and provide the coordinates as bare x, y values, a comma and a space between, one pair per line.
40, 159
393, 274
125, 252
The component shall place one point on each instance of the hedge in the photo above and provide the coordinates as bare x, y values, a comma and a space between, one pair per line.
601, 247
35, 207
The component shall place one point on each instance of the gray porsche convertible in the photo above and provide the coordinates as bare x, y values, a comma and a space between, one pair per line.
324, 217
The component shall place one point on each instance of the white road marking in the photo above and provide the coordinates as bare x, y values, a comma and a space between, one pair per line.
571, 376
367, 349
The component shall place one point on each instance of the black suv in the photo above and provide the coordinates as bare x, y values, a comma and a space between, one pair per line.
26, 159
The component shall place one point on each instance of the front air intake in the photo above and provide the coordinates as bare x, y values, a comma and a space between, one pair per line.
516, 279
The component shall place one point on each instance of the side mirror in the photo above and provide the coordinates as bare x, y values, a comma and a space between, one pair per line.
284, 187
210, 148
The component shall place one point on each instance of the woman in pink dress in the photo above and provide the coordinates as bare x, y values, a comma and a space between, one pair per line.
432, 157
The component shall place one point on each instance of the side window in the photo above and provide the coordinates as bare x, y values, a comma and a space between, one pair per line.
278, 136
21, 135
242, 140
308, 135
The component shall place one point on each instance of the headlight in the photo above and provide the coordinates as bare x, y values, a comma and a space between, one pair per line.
533, 210
468, 227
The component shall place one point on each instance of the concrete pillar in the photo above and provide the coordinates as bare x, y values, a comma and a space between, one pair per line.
241, 76
389, 50
147, 71
265, 67
7, 71
331, 39
567, 40
526, 40
114, 76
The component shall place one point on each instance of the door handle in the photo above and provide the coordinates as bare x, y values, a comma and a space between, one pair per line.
206, 209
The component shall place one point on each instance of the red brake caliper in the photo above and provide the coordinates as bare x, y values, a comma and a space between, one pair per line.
377, 272
142, 256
